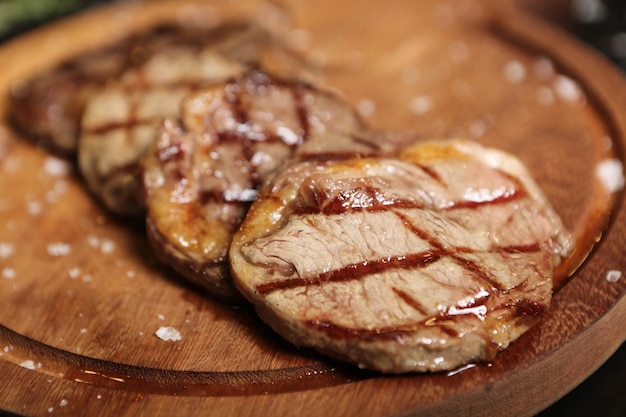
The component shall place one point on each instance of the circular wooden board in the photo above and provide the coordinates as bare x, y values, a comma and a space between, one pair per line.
82, 296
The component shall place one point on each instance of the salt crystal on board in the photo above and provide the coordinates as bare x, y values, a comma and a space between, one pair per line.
6, 250
421, 104
74, 272
59, 248
567, 89
514, 71
56, 167
34, 208
613, 276
93, 241
611, 173
168, 333
107, 246
8, 273
366, 107
28, 364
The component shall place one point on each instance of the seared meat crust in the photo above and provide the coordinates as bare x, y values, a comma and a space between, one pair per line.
425, 262
201, 174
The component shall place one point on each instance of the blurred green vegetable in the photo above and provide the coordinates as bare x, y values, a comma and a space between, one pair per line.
18, 15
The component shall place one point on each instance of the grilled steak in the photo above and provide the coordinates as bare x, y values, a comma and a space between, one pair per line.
436, 259
49, 106
202, 173
121, 118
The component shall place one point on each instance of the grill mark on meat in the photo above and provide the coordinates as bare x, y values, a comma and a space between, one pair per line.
302, 113
173, 152
366, 142
474, 268
410, 301
357, 271
377, 202
233, 93
133, 120
354, 272
432, 174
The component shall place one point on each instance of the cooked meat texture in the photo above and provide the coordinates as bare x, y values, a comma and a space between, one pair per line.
201, 174
48, 107
120, 119
425, 262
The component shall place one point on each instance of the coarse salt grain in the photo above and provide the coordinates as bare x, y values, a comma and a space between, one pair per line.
366, 107
74, 272
93, 241
613, 275
514, 71
107, 246
567, 89
611, 174
168, 333
8, 273
34, 208
6, 250
54, 195
421, 104
28, 364
63, 403
56, 167
59, 248
478, 128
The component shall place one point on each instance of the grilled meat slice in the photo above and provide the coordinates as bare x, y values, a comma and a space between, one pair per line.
48, 107
436, 259
120, 119
202, 173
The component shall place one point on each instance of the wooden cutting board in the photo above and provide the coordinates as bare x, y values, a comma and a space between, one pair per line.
82, 296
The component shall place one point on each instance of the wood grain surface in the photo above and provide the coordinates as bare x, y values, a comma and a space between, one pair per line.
82, 295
